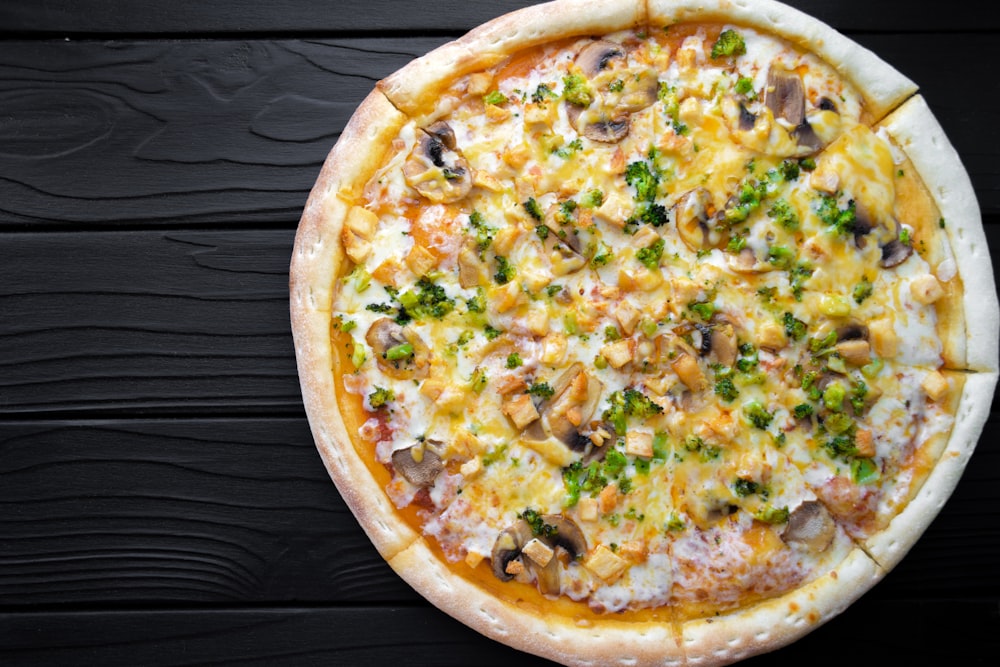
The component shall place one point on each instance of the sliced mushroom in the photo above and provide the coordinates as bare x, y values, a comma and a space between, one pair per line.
746, 119
607, 118
508, 547
894, 253
435, 168
811, 526
785, 95
575, 396
512, 540
386, 336
597, 56
419, 464
723, 342
692, 213
567, 535
852, 331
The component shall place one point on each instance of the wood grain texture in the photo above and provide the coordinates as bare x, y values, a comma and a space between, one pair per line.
235, 131
218, 511
223, 511
82, 17
872, 634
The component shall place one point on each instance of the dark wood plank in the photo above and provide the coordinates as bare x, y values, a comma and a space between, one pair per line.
224, 511
234, 131
164, 321
83, 17
193, 131
109, 323
218, 511
870, 634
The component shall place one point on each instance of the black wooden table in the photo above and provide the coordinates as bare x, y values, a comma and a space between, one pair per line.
161, 500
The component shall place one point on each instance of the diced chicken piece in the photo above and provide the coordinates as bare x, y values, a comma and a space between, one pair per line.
614, 210
553, 349
505, 239
864, 443
608, 498
514, 567
467, 444
638, 443
926, 289
508, 384
771, 336
627, 316
521, 410
508, 296
538, 319
484, 179
537, 114
470, 268
634, 551
473, 559
935, 385
825, 180
479, 83
606, 564
587, 509
420, 260
538, 551
686, 291
432, 389
497, 114
359, 228
689, 372
644, 237
883, 338
855, 351
471, 468
619, 352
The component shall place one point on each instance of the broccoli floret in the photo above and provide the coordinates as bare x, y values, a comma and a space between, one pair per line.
730, 43
505, 271
429, 300
629, 403
542, 93
380, 397
577, 91
862, 290
757, 415
650, 256
542, 390
841, 219
745, 487
645, 181
784, 214
533, 209
495, 98
592, 199
725, 389
794, 327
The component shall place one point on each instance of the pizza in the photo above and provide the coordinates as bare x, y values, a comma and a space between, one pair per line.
644, 332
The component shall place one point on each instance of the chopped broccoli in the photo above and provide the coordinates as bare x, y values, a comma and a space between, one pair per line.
797, 277
864, 471
495, 98
505, 271
380, 397
650, 256
429, 300
538, 526
730, 43
533, 209
491, 332
862, 290
744, 86
802, 410
577, 91
592, 199
644, 180
744, 487
541, 389
794, 327
483, 232
773, 515
757, 415
629, 403
843, 220
568, 150
542, 92
648, 213
841, 446
784, 214
514, 360
725, 388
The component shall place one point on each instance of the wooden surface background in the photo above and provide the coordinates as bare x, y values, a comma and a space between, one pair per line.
161, 500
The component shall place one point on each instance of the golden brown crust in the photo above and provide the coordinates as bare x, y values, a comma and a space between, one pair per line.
319, 255
416, 87
973, 341
316, 262
883, 87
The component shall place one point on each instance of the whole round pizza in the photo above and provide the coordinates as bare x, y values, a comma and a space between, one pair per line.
644, 332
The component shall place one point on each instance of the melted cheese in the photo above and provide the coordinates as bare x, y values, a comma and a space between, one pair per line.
740, 435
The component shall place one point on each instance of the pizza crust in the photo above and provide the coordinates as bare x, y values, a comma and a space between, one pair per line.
316, 261
916, 130
890, 545
882, 85
415, 88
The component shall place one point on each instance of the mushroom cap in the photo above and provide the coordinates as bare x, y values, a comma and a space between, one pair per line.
810, 525
386, 333
507, 547
419, 473
691, 215
894, 253
436, 168
785, 95
598, 55
573, 390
